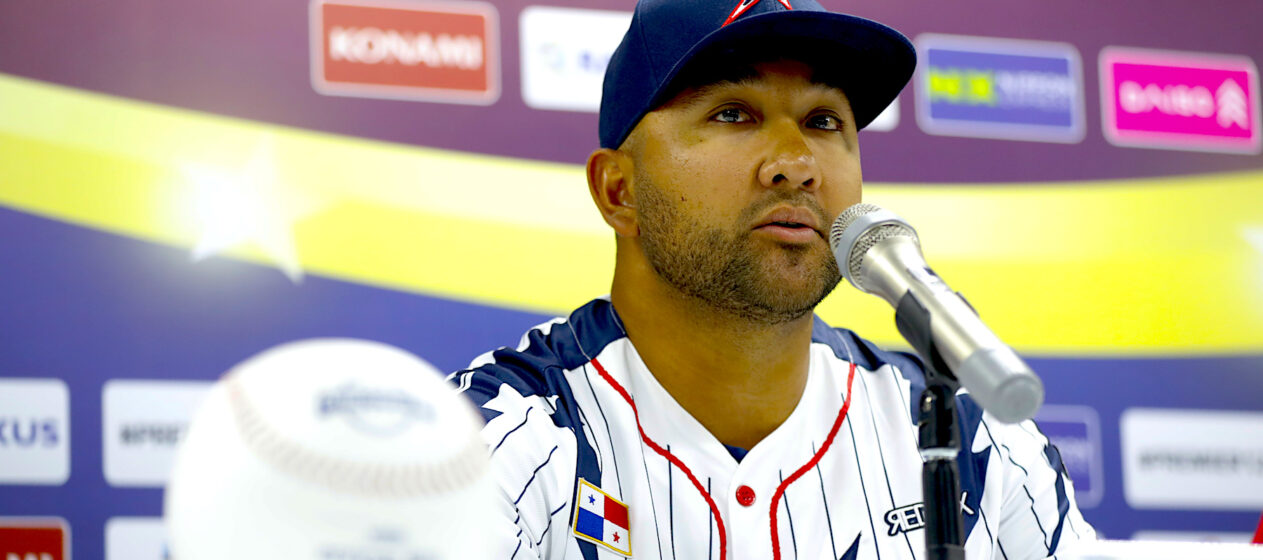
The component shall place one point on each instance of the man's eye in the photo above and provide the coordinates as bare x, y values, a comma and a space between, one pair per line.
732, 115
825, 122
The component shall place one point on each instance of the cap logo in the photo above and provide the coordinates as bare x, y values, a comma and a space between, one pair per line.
746, 5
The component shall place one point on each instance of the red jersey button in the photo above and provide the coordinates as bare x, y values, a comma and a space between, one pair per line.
745, 495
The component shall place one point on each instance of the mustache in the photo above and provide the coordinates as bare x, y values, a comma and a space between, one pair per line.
795, 198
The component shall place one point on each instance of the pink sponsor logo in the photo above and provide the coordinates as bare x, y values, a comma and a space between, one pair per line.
1181, 101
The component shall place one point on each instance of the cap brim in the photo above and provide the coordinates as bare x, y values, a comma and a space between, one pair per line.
874, 62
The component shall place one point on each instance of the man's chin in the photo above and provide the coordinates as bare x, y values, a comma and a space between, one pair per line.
794, 297
802, 273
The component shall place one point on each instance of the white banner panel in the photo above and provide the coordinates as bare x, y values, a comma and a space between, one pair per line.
135, 538
34, 431
142, 422
1195, 459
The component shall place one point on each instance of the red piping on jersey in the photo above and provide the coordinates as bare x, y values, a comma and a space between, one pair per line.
714, 509
780, 490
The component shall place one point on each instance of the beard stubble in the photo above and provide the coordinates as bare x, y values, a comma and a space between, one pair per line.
724, 269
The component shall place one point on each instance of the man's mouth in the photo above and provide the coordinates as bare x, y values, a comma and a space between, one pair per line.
794, 225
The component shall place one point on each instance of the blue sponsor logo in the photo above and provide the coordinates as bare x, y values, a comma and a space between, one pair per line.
26, 433
374, 410
562, 58
1075, 430
1000, 88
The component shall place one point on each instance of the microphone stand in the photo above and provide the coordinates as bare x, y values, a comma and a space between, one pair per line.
939, 436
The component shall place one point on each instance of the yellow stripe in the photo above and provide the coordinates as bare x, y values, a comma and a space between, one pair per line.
1152, 266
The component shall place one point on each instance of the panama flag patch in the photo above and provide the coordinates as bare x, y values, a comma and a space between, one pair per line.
602, 519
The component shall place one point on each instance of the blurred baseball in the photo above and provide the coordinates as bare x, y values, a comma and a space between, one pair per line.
331, 449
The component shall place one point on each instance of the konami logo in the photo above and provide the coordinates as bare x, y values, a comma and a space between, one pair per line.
1183, 101
426, 51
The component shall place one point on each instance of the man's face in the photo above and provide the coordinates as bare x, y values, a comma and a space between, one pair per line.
736, 185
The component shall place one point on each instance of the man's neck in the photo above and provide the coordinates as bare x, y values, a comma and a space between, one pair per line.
739, 379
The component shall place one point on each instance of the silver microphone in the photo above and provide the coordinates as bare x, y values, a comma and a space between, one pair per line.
880, 254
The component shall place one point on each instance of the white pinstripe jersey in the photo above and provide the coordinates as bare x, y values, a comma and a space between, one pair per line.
559, 408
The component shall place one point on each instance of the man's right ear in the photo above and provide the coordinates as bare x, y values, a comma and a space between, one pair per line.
610, 175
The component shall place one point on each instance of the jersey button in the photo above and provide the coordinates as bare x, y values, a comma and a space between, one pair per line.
745, 495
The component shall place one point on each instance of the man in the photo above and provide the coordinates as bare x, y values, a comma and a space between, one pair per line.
702, 411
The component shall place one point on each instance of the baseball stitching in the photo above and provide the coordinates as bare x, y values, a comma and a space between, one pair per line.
352, 477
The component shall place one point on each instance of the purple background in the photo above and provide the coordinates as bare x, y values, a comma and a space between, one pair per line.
249, 59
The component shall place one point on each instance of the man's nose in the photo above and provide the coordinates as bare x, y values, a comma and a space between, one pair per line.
790, 162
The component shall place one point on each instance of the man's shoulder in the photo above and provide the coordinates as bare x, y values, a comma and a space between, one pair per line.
848, 346
906, 367
537, 366
529, 397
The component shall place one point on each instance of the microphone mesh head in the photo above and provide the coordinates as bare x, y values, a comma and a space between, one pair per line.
865, 241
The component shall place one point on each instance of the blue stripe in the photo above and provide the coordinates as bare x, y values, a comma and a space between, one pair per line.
670, 501
825, 499
881, 453
653, 506
710, 521
1036, 516
618, 477
583, 417
1027, 490
971, 466
525, 417
1063, 501
997, 450
1009, 456
1026, 474
789, 514
532, 479
1002, 552
987, 525
853, 551
587, 461
550, 523
855, 449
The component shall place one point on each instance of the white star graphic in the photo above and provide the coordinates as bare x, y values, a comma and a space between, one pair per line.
1255, 236
249, 206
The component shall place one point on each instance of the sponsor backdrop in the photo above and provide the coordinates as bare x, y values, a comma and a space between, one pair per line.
183, 184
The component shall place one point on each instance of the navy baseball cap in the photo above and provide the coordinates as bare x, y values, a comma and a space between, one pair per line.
665, 36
